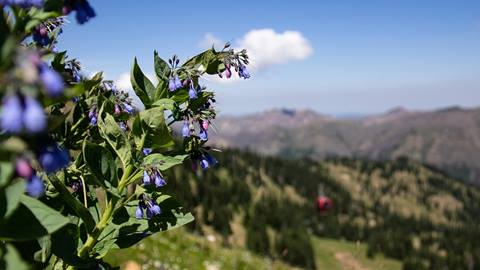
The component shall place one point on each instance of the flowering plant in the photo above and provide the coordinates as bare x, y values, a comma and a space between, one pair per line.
82, 168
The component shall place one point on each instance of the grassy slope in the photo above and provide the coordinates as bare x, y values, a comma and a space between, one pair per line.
178, 249
181, 250
335, 254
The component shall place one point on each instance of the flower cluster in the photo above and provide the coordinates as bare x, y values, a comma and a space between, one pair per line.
147, 204
152, 176
20, 113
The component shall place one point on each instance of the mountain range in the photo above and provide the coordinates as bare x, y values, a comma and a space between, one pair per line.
448, 139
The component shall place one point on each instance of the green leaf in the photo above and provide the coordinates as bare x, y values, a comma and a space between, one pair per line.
210, 60
31, 219
116, 138
157, 132
13, 261
164, 162
101, 163
161, 67
165, 103
10, 198
142, 85
6, 171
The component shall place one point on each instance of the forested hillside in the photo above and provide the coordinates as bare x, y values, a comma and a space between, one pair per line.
447, 138
401, 208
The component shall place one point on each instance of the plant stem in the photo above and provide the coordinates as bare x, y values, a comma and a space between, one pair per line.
93, 237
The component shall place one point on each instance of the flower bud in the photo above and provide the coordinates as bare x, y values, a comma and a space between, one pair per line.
23, 168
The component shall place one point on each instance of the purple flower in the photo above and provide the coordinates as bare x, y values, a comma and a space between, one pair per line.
35, 187
139, 212
40, 36
52, 81
159, 181
243, 72
117, 110
12, 114
23, 168
203, 134
228, 73
186, 129
147, 151
192, 93
53, 158
34, 117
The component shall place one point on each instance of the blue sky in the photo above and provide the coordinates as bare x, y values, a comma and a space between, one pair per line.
336, 57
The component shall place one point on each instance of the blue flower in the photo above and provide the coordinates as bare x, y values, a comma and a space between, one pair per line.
128, 108
92, 114
12, 114
204, 163
171, 85
35, 187
203, 134
52, 81
146, 178
53, 158
155, 209
159, 181
84, 11
192, 93
123, 126
147, 151
210, 159
243, 72
34, 117
186, 129
178, 83
139, 212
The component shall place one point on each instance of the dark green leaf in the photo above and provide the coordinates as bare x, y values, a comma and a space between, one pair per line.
142, 85
161, 67
101, 163
10, 198
164, 162
116, 138
32, 219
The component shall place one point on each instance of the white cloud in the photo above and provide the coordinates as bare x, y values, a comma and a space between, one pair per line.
266, 47
210, 40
